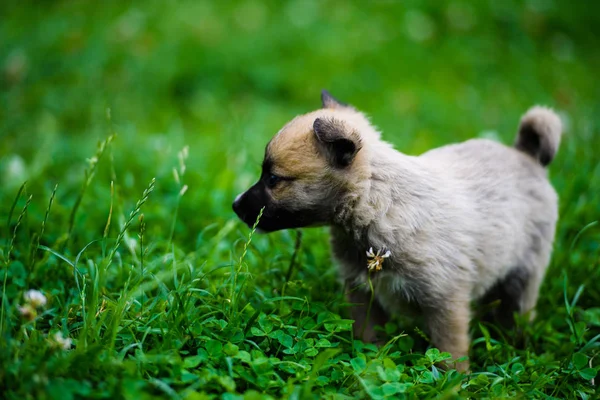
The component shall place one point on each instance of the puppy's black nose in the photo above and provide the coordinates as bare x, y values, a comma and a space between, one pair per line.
237, 207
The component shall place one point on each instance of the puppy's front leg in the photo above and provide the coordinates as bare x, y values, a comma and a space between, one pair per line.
365, 320
448, 324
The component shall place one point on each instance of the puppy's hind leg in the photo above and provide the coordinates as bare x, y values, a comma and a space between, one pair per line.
530, 294
533, 266
511, 291
518, 293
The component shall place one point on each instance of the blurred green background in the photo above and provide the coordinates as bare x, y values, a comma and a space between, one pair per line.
221, 77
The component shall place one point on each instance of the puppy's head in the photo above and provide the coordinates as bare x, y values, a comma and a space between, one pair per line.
310, 164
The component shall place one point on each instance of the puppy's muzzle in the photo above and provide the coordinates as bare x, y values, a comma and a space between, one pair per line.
237, 207
247, 205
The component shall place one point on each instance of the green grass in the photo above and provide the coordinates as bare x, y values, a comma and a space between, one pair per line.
164, 293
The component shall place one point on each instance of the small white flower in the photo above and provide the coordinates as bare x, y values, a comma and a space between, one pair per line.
35, 298
62, 342
375, 260
15, 169
27, 312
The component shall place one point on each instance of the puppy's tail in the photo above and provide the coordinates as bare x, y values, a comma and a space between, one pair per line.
539, 134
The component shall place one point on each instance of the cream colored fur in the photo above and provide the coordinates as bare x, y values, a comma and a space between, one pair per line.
457, 219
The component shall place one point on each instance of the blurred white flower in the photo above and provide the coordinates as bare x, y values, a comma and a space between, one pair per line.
61, 341
27, 312
15, 170
35, 298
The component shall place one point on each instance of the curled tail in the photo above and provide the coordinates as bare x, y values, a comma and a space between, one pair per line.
539, 134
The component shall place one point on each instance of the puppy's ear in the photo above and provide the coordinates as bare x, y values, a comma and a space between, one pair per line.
339, 143
331, 102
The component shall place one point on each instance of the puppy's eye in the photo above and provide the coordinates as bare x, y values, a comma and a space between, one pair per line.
272, 180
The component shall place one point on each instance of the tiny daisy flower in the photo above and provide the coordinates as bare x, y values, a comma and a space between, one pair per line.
61, 341
35, 298
375, 260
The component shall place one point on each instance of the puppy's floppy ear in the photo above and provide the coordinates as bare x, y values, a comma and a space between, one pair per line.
339, 143
329, 101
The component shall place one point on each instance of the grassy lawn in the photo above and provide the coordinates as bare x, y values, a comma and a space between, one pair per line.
128, 128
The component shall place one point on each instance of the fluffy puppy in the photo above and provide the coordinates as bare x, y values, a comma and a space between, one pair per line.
457, 224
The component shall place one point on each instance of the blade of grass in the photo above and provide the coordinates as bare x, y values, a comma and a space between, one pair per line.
233, 296
12, 210
44, 222
7, 260
132, 215
89, 174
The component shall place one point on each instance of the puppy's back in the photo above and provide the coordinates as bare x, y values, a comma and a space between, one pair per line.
513, 205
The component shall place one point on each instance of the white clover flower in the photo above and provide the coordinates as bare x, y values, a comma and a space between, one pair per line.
375, 260
62, 342
27, 312
35, 298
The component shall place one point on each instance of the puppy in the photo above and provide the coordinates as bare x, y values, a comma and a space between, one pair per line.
457, 224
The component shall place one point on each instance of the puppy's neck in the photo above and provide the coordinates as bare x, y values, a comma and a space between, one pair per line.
395, 188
